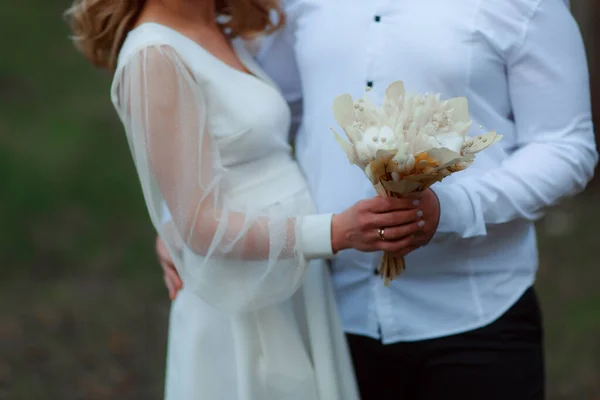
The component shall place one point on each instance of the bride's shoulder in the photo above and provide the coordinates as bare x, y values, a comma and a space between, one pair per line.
150, 40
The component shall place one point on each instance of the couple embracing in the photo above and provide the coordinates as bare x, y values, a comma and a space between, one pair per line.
271, 258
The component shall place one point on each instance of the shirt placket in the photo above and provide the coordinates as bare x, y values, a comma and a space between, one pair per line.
376, 42
381, 307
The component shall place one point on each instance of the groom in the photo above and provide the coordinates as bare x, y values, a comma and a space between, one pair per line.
463, 320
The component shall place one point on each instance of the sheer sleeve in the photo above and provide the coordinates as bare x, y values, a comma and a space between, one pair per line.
234, 257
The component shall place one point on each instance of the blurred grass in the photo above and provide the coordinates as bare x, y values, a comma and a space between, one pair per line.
64, 158
83, 314
83, 311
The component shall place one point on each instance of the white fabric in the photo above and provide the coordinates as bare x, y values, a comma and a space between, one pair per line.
522, 65
211, 142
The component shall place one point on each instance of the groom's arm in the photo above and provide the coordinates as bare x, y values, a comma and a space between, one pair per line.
549, 91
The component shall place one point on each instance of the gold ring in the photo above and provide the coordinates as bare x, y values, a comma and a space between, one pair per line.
381, 233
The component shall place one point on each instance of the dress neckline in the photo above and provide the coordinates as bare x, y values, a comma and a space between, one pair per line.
242, 56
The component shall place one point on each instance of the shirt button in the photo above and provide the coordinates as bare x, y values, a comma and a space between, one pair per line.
377, 18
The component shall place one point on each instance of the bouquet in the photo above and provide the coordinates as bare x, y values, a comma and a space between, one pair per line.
407, 144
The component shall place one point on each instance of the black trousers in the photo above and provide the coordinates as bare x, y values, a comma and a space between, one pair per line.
501, 361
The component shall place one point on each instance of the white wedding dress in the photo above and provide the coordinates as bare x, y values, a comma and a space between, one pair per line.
256, 319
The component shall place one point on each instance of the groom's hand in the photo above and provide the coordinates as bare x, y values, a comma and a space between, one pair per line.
171, 277
430, 207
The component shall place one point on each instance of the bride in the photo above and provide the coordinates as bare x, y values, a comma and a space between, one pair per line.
207, 129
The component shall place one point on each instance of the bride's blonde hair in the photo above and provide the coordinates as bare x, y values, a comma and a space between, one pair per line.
100, 26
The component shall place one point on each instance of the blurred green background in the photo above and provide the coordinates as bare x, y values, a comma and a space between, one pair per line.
83, 310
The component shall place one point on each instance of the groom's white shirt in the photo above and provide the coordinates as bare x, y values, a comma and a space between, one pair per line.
522, 65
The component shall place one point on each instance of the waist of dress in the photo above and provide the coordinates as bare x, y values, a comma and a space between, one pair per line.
267, 181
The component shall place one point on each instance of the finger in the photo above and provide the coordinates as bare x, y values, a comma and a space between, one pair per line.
167, 265
173, 277
164, 257
396, 246
395, 218
169, 286
387, 204
395, 233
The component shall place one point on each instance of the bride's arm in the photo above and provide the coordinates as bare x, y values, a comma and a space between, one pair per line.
164, 110
178, 162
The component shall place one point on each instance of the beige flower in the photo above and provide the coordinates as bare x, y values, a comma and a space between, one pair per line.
423, 134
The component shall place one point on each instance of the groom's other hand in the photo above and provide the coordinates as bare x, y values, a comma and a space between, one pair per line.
429, 205
172, 279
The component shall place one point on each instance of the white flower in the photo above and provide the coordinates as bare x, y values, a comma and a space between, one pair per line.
375, 139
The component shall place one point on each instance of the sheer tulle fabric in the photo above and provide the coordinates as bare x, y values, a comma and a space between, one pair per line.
234, 248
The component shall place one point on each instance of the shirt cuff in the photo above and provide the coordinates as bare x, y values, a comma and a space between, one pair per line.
314, 236
454, 210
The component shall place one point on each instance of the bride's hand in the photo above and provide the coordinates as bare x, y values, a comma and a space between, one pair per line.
376, 224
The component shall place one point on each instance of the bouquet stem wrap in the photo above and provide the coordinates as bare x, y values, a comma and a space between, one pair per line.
391, 266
